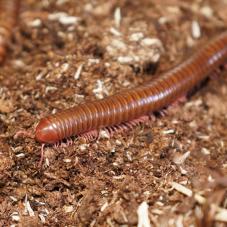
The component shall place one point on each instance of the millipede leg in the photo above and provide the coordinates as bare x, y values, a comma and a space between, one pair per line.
126, 126
89, 136
69, 142
56, 145
215, 74
180, 100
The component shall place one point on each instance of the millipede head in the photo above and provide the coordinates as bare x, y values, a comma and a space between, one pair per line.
45, 132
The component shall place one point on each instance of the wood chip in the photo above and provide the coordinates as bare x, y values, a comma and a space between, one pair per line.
196, 32
182, 189
117, 17
221, 215
78, 72
28, 208
143, 215
180, 158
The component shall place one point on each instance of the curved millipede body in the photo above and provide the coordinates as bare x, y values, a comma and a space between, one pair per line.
9, 11
133, 103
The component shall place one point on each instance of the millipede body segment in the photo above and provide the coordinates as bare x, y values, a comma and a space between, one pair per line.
133, 103
9, 11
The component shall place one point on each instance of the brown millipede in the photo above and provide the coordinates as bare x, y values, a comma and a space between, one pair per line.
134, 103
124, 107
9, 10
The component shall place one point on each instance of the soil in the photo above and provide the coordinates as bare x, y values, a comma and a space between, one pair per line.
169, 172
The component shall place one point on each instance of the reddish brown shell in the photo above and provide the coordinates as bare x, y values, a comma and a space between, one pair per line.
133, 103
9, 11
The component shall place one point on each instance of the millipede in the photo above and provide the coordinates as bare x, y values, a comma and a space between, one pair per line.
9, 12
130, 107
